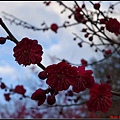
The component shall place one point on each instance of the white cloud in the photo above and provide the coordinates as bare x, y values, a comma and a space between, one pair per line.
8, 71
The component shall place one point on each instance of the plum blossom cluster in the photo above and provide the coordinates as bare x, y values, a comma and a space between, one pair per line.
60, 77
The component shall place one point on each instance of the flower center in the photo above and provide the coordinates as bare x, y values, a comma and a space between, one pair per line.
26, 52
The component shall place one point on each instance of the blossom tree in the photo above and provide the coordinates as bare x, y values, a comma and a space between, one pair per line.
65, 76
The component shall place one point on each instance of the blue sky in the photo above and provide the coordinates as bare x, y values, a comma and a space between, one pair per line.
60, 45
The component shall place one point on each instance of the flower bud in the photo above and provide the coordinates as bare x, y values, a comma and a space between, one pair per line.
42, 75
20, 89
2, 85
2, 40
51, 99
7, 96
54, 27
97, 6
84, 62
108, 52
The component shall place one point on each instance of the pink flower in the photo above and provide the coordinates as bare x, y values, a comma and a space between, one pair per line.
100, 99
112, 25
20, 89
84, 79
59, 75
39, 95
28, 51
